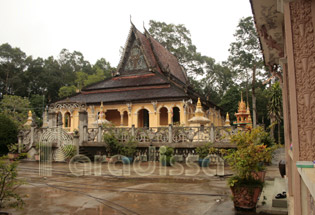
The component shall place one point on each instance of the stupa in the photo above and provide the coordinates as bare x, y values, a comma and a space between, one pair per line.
243, 118
199, 116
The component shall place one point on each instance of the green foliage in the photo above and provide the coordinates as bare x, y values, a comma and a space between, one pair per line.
275, 107
166, 155
66, 91
12, 64
229, 101
8, 133
112, 144
128, 149
9, 184
69, 151
203, 151
15, 108
251, 154
13, 148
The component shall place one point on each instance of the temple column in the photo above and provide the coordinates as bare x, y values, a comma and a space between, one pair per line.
170, 117
121, 118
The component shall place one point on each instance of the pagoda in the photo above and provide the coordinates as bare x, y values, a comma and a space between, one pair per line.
243, 118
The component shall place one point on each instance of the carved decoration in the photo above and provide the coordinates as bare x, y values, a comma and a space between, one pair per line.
304, 59
271, 43
54, 108
136, 59
129, 105
154, 103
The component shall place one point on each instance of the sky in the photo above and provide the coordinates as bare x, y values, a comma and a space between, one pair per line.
98, 28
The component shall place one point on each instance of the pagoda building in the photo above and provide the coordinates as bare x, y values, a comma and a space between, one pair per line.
243, 118
148, 89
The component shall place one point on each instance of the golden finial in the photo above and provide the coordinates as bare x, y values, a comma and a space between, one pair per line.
30, 113
227, 120
199, 111
198, 103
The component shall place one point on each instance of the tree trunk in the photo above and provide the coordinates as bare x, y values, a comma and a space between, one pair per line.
272, 128
254, 97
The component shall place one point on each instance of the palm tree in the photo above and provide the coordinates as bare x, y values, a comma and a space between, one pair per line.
275, 108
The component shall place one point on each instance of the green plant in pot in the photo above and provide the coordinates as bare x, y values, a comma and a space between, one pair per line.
203, 152
112, 144
69, 151
128, 150
247, 161
13, 151
166, 155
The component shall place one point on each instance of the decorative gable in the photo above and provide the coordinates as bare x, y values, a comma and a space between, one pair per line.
135, 60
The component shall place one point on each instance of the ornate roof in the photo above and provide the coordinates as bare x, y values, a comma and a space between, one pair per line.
146, 71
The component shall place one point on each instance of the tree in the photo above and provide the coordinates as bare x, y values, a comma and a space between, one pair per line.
275, 108
12, 64
8, 133
230, 100
177, 40
66, 91
15, 108
205, 75
245, 56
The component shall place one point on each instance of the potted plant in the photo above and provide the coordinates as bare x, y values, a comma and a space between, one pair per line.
247, 161
36, 155
203, 152
166, 155
69, 151
13, 151
128, 150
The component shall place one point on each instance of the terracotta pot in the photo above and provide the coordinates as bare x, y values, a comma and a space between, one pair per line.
37, 157
13, 156
245, 198
259, 175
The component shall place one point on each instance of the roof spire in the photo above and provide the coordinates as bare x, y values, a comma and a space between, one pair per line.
131, 21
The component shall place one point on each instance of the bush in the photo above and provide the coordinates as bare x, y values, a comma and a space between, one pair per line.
113, 147
128, 149
203, 151
8, 133
9, 184
166, 155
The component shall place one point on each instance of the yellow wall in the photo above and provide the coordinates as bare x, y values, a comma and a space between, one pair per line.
154, 115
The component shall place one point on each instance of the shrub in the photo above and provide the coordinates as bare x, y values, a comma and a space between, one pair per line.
9, 184
113, 147
8, 133
203, 151
128, 149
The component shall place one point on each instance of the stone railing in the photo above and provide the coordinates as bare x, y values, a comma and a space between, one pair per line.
170, 134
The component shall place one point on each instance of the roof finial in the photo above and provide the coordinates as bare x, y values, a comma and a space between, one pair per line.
131, 21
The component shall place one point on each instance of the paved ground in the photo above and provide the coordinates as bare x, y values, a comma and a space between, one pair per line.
181, 190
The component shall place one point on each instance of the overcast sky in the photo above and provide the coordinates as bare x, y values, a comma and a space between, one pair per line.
98, 28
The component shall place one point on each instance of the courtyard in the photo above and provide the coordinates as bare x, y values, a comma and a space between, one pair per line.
160, 192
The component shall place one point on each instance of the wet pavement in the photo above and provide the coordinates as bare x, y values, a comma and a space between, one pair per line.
160, 192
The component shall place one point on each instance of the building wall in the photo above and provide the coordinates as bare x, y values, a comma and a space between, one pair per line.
299, 97
115, 114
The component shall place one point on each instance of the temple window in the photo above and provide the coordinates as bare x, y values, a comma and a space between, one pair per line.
176, 115
163, 116
143, 118
67, 120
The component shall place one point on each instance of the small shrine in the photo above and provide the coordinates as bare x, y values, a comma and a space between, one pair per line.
199, 115
243, 118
